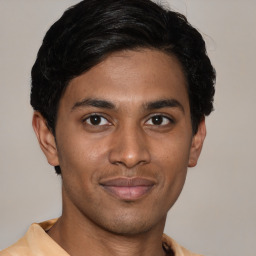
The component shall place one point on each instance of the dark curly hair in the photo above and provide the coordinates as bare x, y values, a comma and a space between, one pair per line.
91, 30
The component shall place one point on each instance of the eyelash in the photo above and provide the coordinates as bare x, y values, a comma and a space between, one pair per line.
163, 118
97, 116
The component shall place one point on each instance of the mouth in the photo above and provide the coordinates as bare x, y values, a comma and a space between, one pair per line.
128, 189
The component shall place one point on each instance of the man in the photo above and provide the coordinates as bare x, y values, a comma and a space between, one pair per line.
120, 90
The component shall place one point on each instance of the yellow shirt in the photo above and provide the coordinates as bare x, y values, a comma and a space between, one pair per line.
36, 242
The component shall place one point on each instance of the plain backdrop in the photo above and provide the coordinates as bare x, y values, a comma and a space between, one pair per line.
216, 212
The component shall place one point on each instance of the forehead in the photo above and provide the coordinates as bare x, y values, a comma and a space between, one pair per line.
130, 77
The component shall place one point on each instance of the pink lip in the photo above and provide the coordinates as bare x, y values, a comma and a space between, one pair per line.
128, 189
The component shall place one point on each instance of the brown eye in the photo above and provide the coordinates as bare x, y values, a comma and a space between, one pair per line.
159, 120
96, 120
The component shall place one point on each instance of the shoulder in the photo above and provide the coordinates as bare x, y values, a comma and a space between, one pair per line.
176, 248
35, 242
16, 249
5, 253
21, 247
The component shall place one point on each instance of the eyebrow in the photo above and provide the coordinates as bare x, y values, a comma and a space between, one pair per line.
98, 103
169, 103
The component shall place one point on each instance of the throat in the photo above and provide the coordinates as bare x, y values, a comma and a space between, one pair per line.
88, 244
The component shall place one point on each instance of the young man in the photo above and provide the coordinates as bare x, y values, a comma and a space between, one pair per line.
120, 90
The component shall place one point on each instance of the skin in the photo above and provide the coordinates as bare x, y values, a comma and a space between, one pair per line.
128, 117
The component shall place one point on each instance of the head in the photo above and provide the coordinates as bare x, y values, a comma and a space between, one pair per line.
90, 31
129, 38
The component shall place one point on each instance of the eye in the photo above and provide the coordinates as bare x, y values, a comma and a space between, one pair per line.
159, 120
96, 120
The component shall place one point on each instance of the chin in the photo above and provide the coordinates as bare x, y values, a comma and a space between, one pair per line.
125, 229
131, 225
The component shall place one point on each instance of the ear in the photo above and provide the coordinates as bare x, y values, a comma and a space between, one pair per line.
45, 138
197, 144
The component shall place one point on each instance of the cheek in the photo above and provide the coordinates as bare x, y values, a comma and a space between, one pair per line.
173, 179
172, 153
78, 153
172, 158
82, 160
79, 164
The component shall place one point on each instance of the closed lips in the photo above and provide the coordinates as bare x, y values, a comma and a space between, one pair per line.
128, 188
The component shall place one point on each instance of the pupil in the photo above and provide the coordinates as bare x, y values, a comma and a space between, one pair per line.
95, 120
157, 120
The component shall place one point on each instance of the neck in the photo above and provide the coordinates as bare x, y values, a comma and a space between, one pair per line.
79, 236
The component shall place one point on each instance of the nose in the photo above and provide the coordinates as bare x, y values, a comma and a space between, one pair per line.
129, 148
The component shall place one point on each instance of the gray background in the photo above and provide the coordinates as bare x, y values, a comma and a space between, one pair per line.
216, 213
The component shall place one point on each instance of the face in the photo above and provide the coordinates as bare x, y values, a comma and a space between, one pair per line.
124, 141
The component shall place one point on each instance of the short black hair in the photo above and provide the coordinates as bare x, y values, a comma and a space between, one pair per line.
92, 29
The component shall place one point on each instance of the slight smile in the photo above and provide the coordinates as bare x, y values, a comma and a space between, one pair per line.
128, 189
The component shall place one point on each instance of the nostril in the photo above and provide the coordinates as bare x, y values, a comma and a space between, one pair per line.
129, 160
129, 147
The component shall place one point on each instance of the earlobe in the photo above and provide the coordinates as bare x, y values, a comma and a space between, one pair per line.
197, 144
45, 138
